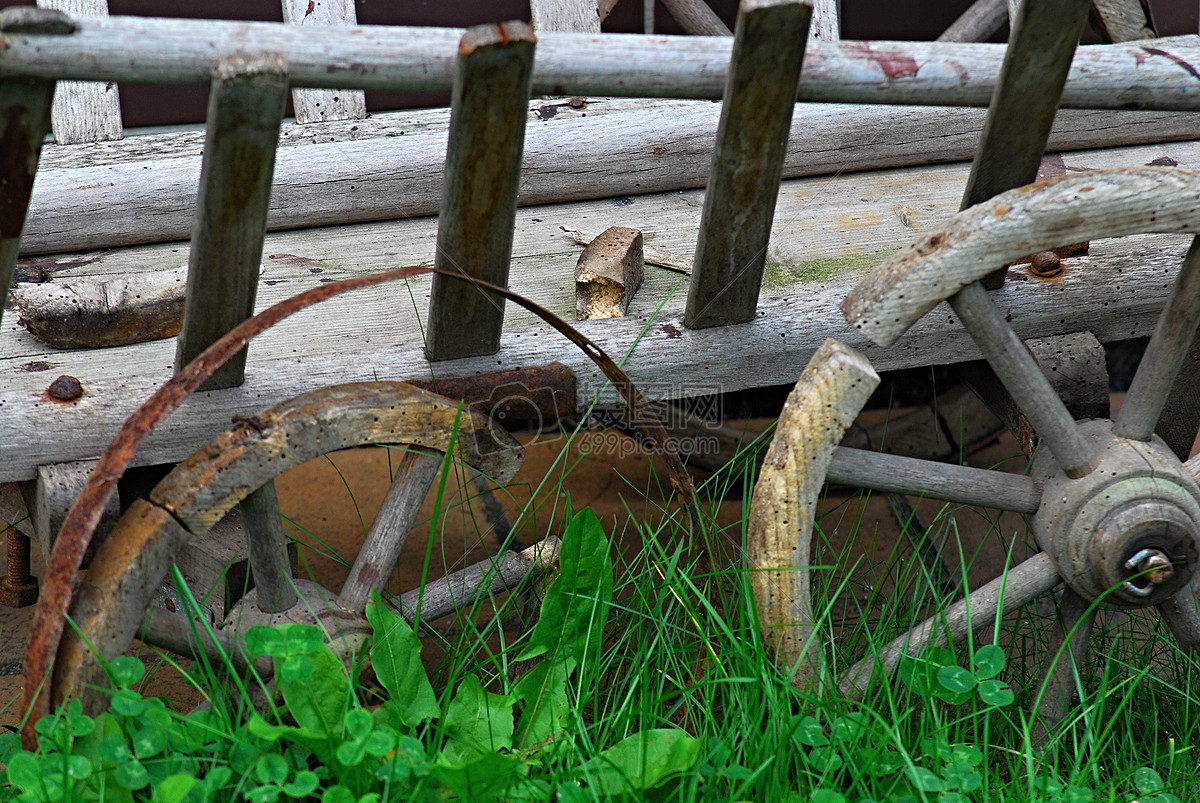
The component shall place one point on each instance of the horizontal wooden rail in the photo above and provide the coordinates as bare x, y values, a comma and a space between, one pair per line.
1149, 74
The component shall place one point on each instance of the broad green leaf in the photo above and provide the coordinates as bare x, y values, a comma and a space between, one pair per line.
988, 661
956, 680
396, 658
849, 727
337, 794
476, 722
826, 796
963, 777
262, 640
1078, 794
23, 771
271, 768
302, 785
131, 775
571, 624
173, 788
320, 703
642, 761
481, 780
924, 779
808, 731
968, 754
1147, 780
126, 670
825, 759
996, 692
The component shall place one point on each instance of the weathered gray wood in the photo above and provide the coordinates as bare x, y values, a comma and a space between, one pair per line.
610, 270
169, 631
695, 17
1180, 419
1169, 345
1039, 53
393, 165
25, 111
381, 548
84, 111
1022, 378
1121, 76
268, 547
364, 336
962, 484
318, 105
1065, 655
747, 163
650, 254
565, 15
1019, 585
825, 401
982, 19
647, 15
50, 496
479, 193
826, 21
476, 583
1122, 20
1068, 209
244, 111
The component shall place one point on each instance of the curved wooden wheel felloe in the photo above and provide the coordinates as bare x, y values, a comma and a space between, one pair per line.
1114, 509
238, 468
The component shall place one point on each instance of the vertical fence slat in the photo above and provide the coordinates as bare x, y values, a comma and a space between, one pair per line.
245, 108
479, 197
316, 105
25, 116
756, 116
826, 20
1122, 20
84, 111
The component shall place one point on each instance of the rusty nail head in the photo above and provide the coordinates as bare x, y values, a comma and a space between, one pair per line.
65, 388
1151, 564
1046, 265
577, 103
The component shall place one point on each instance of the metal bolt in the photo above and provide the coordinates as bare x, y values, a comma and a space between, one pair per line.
65, 388
1045, 265
1151, 565
20, 588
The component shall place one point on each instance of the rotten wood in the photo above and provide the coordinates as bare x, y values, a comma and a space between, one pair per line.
650, 254
87, 313
582, 16
609, 271
84, 111
1144, 75
747, 163
1110, 203
50, 496
320, 105
245, 107
825, 401
479, 193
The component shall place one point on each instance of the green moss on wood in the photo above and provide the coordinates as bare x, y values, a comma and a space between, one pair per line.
777, 274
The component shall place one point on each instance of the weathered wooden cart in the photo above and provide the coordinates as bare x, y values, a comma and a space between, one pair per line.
772, 263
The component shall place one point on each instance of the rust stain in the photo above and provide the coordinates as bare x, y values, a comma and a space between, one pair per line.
314, 265
1052, 165
1045, 265
37, 365
51, 266
1162, 161
65, 389
895, 65
861, 220
671, 331
928, 246
1087, 189
1001, 211
577, 103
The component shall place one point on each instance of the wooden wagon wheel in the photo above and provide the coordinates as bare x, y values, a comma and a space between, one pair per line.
1113, 509
239, 467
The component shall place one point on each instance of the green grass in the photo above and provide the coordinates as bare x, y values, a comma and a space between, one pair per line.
666, 664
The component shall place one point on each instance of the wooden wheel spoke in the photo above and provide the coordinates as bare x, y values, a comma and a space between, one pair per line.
1065, 656
1021, 376
1023, 583
913, 477
390, 530
1164, 357
269, 562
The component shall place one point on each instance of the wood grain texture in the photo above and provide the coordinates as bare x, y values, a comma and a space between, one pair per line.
747, 163
369, 336
825, 401
319, 105
268, 546
695, 17
582, 16
1029, 219
1122, 20
826, 21
245, 107
98, 196
1146, 75
609, 272
84, 111
479, 191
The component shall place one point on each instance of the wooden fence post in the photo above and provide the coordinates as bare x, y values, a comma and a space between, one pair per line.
84, 111
244, 113
317, 105
747, 163
479, 196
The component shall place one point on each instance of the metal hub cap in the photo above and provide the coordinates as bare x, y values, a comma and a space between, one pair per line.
1128, 533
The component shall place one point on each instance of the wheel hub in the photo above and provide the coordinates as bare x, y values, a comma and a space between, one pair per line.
1128, 533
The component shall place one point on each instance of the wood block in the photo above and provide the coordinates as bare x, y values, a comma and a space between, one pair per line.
50, 496
610, 270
